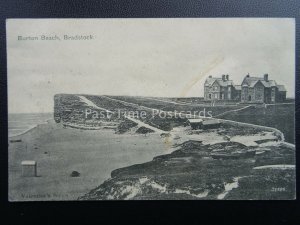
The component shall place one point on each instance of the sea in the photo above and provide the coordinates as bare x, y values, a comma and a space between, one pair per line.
19, 123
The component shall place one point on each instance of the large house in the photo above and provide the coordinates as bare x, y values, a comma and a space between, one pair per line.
221, 89
252, 90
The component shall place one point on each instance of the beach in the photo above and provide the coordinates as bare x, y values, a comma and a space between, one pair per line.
59, 151
19, 123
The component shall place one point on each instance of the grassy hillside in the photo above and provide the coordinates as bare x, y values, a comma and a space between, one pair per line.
281, 117
191, 173
69, 108
170, 105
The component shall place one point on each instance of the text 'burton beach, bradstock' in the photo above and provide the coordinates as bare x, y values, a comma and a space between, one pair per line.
65, 37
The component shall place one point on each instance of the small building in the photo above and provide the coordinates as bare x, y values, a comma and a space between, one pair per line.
29, 168
281, 94
195, 123
211, 124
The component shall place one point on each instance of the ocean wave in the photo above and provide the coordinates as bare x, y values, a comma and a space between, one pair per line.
19, 124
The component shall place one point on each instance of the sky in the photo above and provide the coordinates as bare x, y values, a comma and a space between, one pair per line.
144, 57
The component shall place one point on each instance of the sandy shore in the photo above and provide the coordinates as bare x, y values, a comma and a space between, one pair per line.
59, 151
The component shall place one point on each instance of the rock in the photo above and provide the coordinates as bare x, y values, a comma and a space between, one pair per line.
165, 135
15, 140
125, 126
75, 174
144, 130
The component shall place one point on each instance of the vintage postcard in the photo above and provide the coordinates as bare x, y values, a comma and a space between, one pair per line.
151, 109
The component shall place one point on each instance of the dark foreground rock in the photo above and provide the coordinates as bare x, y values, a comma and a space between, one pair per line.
125, 126
191, 173
144, 130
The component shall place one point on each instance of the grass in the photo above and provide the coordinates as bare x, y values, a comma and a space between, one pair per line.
266, 185
125, 126
281, 117
190, 172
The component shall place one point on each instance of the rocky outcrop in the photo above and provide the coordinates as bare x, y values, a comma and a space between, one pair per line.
192, 173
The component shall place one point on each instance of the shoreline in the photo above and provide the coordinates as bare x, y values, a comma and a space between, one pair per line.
93, 153
87, 128
31, 127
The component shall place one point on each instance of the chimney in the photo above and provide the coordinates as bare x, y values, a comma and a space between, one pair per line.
210, 76
266, 77
227, 77
223, 77
248, 75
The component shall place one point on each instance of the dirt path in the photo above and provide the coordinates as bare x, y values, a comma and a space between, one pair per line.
92, 104
235, 110
142, 124
166, 101
248, 141
129, 103
147, 108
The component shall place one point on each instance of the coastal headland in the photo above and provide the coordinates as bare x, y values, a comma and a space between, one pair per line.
150, 157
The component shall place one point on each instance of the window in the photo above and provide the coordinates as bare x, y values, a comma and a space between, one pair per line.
229, 88
273, 99
216, 95
209, 96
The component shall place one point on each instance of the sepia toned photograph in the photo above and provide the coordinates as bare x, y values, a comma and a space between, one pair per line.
151, 109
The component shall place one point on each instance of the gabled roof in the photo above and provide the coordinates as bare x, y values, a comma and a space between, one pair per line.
251, 81
248, 81
281, 88
209, 81
270, 83
211, 121
223, 83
